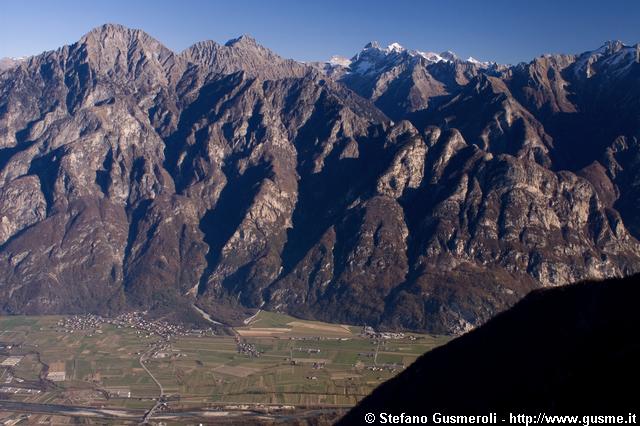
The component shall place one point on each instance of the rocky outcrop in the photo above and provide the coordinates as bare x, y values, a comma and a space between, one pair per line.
23, 205
230, 178
242, 53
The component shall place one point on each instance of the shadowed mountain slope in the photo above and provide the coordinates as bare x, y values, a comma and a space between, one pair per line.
568, 350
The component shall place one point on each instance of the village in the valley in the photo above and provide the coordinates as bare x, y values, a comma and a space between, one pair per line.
151, 368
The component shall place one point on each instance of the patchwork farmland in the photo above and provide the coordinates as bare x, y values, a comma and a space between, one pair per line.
274, 361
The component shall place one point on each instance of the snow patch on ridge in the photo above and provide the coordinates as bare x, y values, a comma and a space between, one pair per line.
395, 47
337, 60
615, 55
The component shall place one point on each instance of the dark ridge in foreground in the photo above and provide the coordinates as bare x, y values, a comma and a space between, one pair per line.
567, 350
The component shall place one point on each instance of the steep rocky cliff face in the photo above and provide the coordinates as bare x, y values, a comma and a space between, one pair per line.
230, 178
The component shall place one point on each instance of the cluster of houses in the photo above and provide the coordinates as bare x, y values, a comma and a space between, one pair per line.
386, 367
16, 391
136, 320
370, 332
247, 348
308, 350
318, 338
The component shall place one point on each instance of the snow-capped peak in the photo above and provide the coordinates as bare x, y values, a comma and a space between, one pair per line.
337, 60
392, 48
373, 57
395, 47
449, 56
430, 56
372, 45
613, 53
474, 61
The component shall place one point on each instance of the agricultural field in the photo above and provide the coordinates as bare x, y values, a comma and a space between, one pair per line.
273, 359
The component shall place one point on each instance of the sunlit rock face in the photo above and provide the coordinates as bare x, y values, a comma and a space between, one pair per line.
230, 178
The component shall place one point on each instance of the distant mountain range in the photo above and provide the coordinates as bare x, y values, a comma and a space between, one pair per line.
400, 188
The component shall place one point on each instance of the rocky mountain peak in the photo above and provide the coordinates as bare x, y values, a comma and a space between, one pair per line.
242, 54
244, 40
339, 60
613, 56
6, 63
247, 45
395, 47
449, 56
110, 29
201, 52
372, 45
230, 177
613, 46
372, 51
115, 48
116, 36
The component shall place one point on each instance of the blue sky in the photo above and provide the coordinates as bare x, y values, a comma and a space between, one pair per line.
500, 30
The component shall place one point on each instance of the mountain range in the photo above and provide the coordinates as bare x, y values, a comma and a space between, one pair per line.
400, 188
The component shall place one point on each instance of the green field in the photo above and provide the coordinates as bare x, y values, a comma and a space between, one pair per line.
301, 363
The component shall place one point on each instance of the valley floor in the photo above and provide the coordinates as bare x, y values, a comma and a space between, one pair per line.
273, 368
